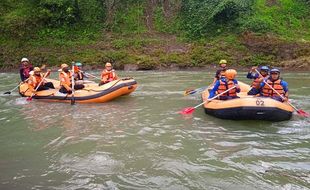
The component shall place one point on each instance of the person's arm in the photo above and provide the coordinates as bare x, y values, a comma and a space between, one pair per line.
21, 73
249, 75
215, 88
285, 88
214, 81
237, 86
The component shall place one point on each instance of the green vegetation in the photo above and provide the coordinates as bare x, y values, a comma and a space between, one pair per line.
153, 34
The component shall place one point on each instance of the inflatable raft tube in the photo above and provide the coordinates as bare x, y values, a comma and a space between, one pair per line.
248, 107
92, 93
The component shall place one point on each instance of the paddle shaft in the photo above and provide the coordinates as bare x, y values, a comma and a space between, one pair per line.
72, 81
91, 75
9, 92
190, 92
276, 91
215, 96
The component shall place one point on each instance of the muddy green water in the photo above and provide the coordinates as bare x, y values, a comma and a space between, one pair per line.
141, 142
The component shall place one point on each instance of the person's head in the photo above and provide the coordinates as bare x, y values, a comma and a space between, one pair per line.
223, 64
264, 70
25, 62
274, 74
230, 74
108, 66
36, 71
77, 67
64, 67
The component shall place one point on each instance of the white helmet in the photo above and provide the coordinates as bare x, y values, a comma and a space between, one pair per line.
24, 60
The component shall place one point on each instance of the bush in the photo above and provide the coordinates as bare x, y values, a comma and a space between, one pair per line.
256, 24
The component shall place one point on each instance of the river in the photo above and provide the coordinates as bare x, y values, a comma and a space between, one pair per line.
141, 142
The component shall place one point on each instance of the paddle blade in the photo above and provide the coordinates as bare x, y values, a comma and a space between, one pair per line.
29, 98
72, 101
187, 92
303, 113
8, 92
187, 111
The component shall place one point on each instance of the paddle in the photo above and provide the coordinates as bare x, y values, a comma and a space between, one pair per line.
72, 81
190, 110
191, 91
30, 97
90, 75
9, 92
299, 111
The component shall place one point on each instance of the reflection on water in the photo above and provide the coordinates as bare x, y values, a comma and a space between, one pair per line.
141, 142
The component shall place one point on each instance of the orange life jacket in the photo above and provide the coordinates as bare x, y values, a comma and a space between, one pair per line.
65, 78
268, 92
225, 86
256, 82
108, 75
35, 80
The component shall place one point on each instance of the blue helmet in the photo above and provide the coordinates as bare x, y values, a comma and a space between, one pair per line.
275, 71
264, 68
78, 64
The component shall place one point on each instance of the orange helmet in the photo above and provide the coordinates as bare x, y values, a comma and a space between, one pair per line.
230, 74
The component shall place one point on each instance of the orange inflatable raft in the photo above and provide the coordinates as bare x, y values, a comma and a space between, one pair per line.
92, 93
247, 107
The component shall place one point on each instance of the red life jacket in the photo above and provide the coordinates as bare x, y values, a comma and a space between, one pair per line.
225, 86
268, 92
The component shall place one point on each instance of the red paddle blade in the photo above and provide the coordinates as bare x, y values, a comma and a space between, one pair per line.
29, 99
303, 113
187, 111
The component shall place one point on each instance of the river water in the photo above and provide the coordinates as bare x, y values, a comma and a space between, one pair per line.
141, 142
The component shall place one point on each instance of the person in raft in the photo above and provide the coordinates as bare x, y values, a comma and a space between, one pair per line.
220, 73
25, 69
108, 74
224, 84
278, 85
258, 78
65, 80
78, 74
36, 78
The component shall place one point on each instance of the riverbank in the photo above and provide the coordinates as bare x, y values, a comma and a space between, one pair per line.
157, 51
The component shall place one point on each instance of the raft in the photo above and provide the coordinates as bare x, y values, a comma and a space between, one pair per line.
247, 107
92, 93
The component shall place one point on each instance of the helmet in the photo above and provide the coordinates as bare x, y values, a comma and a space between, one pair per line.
78, 64
36, 69
24, 60
64, 65
223, 61
230, 73
275, 71
108, 64
264, 68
